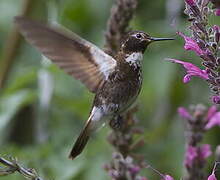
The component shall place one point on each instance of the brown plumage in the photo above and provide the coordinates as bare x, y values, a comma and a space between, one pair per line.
116, 82
81, 141
66, 50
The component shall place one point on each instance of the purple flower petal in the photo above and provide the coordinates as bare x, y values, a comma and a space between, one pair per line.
212, 177
205, 151
184, 113
213, 121
191, 70
211, 112
190, 44
190, 2
216, 99
168, 177
191, 154
186, 78
217, 12
216, 28
134, 169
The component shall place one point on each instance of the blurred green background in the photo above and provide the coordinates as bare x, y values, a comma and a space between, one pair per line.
42, 109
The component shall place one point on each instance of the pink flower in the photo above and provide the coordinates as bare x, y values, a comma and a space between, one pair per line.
190, 2
205, 151
213, 118
190, 44
193, 153
134, 169
216, 99
211, 112
217, 12
213, 121
191, 70
168, 177
184, 113
216, 28
212, 177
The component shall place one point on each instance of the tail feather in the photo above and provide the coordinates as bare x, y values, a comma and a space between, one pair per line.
81, 141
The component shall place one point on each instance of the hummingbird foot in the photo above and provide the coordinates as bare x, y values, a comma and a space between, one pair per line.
116, 123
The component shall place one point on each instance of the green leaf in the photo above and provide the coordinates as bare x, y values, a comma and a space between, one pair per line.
9, 106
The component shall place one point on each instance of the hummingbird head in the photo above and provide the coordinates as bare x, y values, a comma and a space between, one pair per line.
137, 41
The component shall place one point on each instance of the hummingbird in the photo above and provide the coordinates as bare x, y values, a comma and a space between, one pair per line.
115, 81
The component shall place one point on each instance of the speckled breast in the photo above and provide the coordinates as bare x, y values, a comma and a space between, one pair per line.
121, 90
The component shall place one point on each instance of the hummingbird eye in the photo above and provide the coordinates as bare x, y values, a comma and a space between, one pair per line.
138, 36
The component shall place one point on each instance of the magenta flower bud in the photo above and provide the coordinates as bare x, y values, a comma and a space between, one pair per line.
190, 2
216, 99
134, 169
213, 121
217, 12
186, 79
205, 151
184, 113
212, 177
168, 177
211, 112
191, 154
216, 28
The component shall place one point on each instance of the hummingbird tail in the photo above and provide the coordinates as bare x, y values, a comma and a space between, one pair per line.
81, 141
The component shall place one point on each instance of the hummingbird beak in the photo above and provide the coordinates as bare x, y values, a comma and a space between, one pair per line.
160, 39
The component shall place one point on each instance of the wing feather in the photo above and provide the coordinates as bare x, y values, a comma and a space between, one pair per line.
76, 56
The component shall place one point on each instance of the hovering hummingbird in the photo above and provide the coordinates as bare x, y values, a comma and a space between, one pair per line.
115, 81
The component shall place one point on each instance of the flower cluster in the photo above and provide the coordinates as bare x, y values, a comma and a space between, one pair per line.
125, 168
199, 119
196, 154
122, 167
211, 118
204, 41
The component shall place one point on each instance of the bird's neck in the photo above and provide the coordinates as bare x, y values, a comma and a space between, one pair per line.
134, 57
130, 57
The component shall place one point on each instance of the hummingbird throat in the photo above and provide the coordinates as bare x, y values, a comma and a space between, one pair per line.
134, 58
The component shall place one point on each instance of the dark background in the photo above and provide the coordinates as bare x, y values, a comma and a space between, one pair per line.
42, 109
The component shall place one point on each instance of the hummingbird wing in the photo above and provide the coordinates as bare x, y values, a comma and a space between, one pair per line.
76, 56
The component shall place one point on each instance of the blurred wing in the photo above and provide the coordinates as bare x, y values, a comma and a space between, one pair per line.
74, 55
